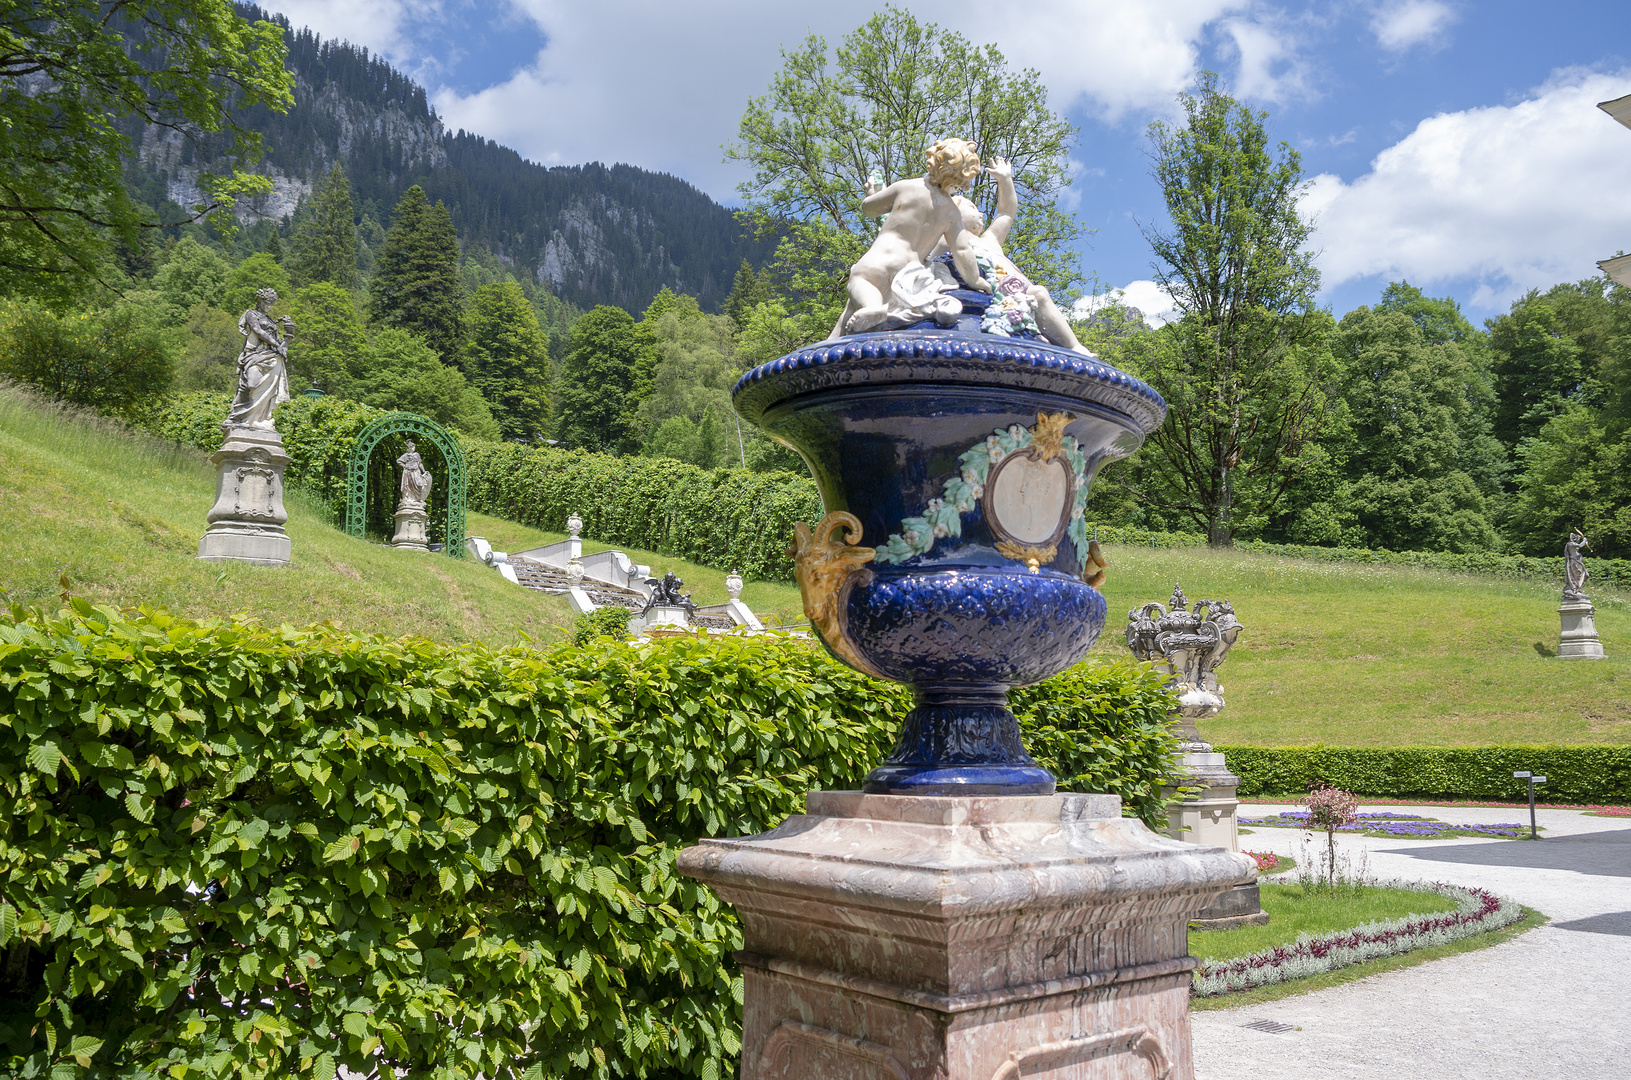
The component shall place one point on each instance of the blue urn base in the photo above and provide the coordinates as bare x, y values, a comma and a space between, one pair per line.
960, 741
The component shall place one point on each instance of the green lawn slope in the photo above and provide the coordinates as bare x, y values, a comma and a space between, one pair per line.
121, 516
1355, 655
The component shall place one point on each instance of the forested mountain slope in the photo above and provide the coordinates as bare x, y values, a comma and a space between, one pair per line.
594, 234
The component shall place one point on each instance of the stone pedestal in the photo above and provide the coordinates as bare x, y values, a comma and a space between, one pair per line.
661, 617
410, 529
1209, 818
1578, 639
898, 937
246, 522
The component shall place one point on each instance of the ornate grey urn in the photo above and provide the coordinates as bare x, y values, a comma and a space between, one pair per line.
1190, 645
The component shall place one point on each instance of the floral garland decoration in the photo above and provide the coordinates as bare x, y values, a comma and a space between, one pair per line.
961, 494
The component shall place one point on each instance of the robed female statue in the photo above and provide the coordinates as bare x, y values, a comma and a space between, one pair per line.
263, 366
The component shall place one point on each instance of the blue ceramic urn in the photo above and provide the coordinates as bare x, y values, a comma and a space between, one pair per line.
954, 467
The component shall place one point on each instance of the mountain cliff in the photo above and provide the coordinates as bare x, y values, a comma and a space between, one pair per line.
594, 234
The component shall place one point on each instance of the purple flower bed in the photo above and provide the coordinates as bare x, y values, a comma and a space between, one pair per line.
1381, 823
1480, 911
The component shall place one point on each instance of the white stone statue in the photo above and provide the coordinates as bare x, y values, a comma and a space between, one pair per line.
1017, 304
263, 366
1575, 573
920, 214
416, 479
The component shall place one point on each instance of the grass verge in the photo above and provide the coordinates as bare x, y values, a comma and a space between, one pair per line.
1294, 910
1259, 995
121, 514
1348, 654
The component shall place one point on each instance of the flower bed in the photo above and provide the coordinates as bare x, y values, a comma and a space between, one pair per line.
1480, 912
1405, 826
1266, 860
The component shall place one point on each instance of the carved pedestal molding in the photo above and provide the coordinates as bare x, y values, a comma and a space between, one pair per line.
246, 522
410, 535
1578, 640
964, 938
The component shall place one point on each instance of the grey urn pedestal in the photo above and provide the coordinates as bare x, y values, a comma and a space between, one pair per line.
895, 937
1578, 640
246, 522
1209, 818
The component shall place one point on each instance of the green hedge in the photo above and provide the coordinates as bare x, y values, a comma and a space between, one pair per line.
724, 518
1550, 568
447, 861
1575, 774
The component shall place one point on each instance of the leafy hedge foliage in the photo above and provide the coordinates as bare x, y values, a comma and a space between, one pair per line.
610, 621
724, 518
1130, 534
1603, 571
1582, 774
234, 851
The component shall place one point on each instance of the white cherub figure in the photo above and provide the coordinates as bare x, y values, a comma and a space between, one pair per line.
1017, 302
922, 216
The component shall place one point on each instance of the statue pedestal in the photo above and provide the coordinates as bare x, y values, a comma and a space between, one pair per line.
1578, 639
246, 522
964, 938
410, 529
661, 617
1209, 818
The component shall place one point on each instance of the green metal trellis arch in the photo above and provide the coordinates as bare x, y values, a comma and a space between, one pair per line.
406, 423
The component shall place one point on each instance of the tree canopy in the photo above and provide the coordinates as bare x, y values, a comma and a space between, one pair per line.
70, 70
874, 104
416, 286
1245, 369
325, 241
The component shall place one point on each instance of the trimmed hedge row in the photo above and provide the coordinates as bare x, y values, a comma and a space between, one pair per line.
1578, 774
724, 518
1603, 571
235, 851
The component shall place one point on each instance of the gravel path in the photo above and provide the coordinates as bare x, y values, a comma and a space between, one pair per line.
1551, 1003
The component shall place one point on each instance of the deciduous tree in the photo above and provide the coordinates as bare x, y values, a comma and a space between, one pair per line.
874, 104
597, 380
1245, 370
69, 71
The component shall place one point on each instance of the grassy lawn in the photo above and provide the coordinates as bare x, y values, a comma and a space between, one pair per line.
1295, 910
1357, 655
122, 518
1531, 919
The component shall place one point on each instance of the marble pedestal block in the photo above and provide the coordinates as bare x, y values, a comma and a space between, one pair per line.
410, 529
1208, 818
246, 522
896, 937
1578, 639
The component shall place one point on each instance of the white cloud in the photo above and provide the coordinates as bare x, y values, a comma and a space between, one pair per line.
1511, 197
1269, 64
1406, 23
1149, 298
381, 26
663, 85
682, 73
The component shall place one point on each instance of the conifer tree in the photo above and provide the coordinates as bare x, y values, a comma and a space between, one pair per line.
596, 380
325, 244
506, 359
749, 291
416, 286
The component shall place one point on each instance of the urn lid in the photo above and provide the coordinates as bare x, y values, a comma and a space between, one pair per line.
946, 357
